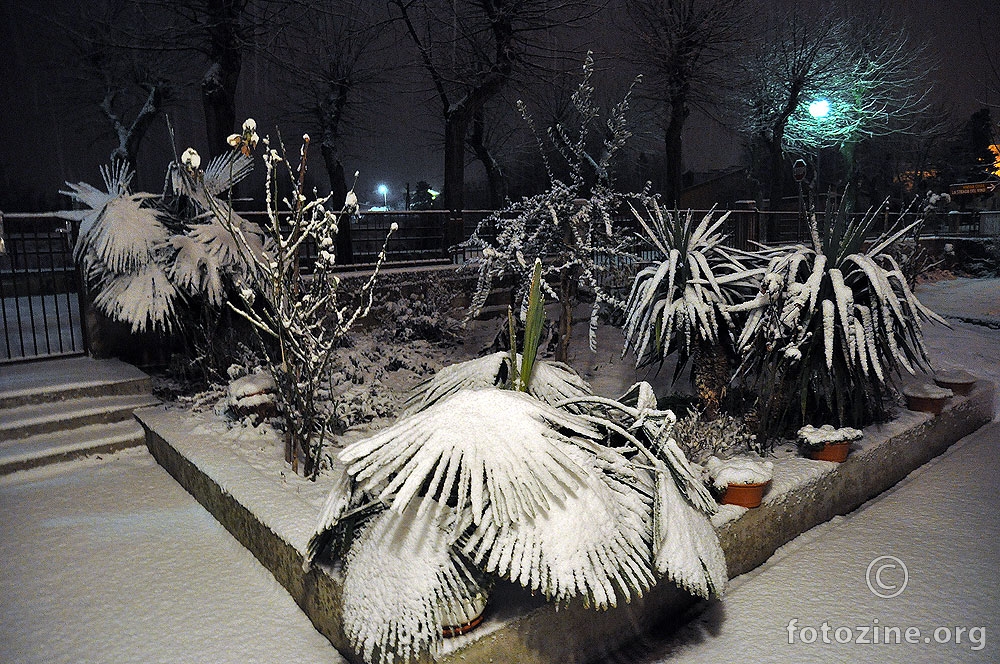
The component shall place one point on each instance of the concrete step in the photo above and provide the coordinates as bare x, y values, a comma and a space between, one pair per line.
42, 449
28, 383
44, 418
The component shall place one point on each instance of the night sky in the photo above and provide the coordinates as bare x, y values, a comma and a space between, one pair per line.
44, 143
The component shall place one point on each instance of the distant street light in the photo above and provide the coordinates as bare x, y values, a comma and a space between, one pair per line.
819, 108
384, 190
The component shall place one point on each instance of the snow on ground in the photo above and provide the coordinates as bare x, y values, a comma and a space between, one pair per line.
941, 523
111, 561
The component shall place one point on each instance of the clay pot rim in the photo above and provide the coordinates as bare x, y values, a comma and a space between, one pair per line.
749, 485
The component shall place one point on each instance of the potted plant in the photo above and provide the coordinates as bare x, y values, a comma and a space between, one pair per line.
509, 467
742, 479
926, 397
827, 443
958, 381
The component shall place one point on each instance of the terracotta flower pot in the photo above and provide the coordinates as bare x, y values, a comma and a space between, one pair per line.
836, 452
958, 381
745, 495
461, 619
927, 397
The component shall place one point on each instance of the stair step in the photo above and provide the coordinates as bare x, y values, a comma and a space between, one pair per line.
47, 448
42, 418
28, 383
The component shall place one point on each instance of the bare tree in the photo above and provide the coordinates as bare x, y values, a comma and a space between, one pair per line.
681, 46
332, 57
471, 51
830, 80
125, 90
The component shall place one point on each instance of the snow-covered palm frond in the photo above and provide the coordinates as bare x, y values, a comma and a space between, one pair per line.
225, 171
336, 505
497, 452
117, 228
553, 382
550, 381
481, 372
404, 582
144, 299
594, 543
687, 549
679, 301
195, 269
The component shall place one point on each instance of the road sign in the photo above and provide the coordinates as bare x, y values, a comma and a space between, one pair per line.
967, 188
799, 170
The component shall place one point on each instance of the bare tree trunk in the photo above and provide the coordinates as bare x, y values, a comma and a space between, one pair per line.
455, 126
218, 86
338, 194
674, 154
494, 174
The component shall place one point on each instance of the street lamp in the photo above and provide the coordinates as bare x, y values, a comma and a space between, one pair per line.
819, 108
384, 190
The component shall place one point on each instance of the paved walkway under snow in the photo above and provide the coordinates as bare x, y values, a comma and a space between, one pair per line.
112, 562
941, 523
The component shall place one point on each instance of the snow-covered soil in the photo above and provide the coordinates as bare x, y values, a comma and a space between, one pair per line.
110, 561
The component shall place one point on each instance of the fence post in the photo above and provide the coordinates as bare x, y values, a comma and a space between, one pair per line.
454, 231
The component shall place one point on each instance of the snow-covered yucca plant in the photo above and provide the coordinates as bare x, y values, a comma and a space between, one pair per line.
300, 318
569, 225
832, 324
515, 472
679, 303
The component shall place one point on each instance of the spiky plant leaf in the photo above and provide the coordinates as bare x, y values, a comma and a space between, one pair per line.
403, 583
533, 322
675, 304
831, 329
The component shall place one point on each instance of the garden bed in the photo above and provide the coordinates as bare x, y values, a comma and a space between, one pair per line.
237, 475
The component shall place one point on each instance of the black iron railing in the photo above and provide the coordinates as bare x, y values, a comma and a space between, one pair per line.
40, 288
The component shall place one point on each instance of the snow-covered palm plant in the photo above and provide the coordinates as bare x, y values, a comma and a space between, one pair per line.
575, 496
119, 249
679, 303
831, 326
144, 253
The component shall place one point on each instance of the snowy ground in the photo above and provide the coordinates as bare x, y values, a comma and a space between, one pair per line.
110, 561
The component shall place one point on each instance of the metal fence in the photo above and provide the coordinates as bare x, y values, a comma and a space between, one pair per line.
40, 288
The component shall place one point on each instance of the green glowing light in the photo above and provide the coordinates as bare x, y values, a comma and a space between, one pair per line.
819, 108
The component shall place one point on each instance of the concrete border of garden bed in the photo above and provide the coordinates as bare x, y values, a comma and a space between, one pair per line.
536, 633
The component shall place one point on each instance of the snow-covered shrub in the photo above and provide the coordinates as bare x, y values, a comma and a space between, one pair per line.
570, 225
679, 303
300, 318
724, 436
832, 324
508, 466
